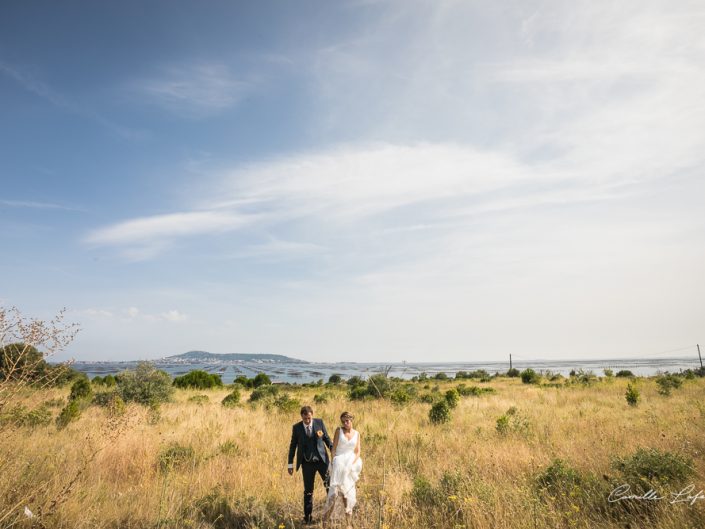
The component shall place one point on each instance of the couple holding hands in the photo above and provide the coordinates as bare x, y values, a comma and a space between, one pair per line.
309, 441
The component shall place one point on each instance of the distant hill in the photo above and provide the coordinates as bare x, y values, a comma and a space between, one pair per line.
204, 356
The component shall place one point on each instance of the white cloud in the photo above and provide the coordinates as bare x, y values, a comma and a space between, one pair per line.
146, 237
34, 205
195, 90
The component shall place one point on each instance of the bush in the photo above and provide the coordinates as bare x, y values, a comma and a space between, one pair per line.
513, 372
625, 373
582, 377
427, 398
512, 422
199, 399
320, 398
608, 373
452, 398
379, 386
357, 392
198, 379
632, 395
440, 376
109, 381
650, 468
261, 379
232, 399
71, 412
401, 396
284, 403
667, 382
440, 412
263, 392
20, 416
529, 376
81, 389
175, 456
355, 381
335, 379
145, 385
559, 478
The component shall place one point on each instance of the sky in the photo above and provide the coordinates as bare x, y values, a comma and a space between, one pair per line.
360, 180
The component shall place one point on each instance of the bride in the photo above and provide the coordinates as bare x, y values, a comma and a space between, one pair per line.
346, 467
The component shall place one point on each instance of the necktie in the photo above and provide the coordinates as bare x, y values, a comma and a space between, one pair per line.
308, 430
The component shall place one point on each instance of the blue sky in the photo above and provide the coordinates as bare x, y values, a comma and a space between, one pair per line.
357, 180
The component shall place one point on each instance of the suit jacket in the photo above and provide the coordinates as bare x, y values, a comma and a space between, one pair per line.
298, 439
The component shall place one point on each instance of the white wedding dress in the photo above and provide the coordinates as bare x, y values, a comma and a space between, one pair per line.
344, 473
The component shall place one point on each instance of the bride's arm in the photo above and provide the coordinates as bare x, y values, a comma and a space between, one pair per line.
357, 448
335, 441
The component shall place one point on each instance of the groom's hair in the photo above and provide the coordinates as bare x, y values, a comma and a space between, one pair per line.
306, 409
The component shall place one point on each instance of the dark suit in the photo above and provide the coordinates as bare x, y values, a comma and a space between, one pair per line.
312, 456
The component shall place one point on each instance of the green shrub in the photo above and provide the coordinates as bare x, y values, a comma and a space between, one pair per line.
81, 389
440, 376
559, 477
232, 399
175, 456
667, 382
355, 381
357, 392
401, 395
71, 412
335, 379
512, 422
103, 398
632, 395
452, 398
529, 376
502, 425
582, 377
109, 381
261, 379
427, 398
263, 392
285, 404
440, 412
199, 399
608, 373
19, 415
198, 379
97, 380
145, 385
513, 372
379, 386
321, 398
625, 373
651, 468
112, 401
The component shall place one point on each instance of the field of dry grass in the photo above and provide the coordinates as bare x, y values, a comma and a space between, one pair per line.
203, 465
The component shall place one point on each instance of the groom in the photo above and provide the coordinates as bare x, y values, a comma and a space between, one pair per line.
309, 440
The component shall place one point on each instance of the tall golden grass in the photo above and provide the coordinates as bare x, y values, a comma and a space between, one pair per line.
104, 472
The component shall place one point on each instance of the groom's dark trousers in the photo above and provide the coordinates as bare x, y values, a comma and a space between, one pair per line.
309, 471
311, 456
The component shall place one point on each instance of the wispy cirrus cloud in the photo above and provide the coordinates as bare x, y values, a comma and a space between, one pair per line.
36, 205
194, 90
145, 237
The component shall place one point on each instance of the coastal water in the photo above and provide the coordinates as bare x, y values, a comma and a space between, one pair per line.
301, 372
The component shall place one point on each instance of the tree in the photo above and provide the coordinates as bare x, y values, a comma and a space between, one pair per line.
146, 385
198, 379
25, 343
261, 379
